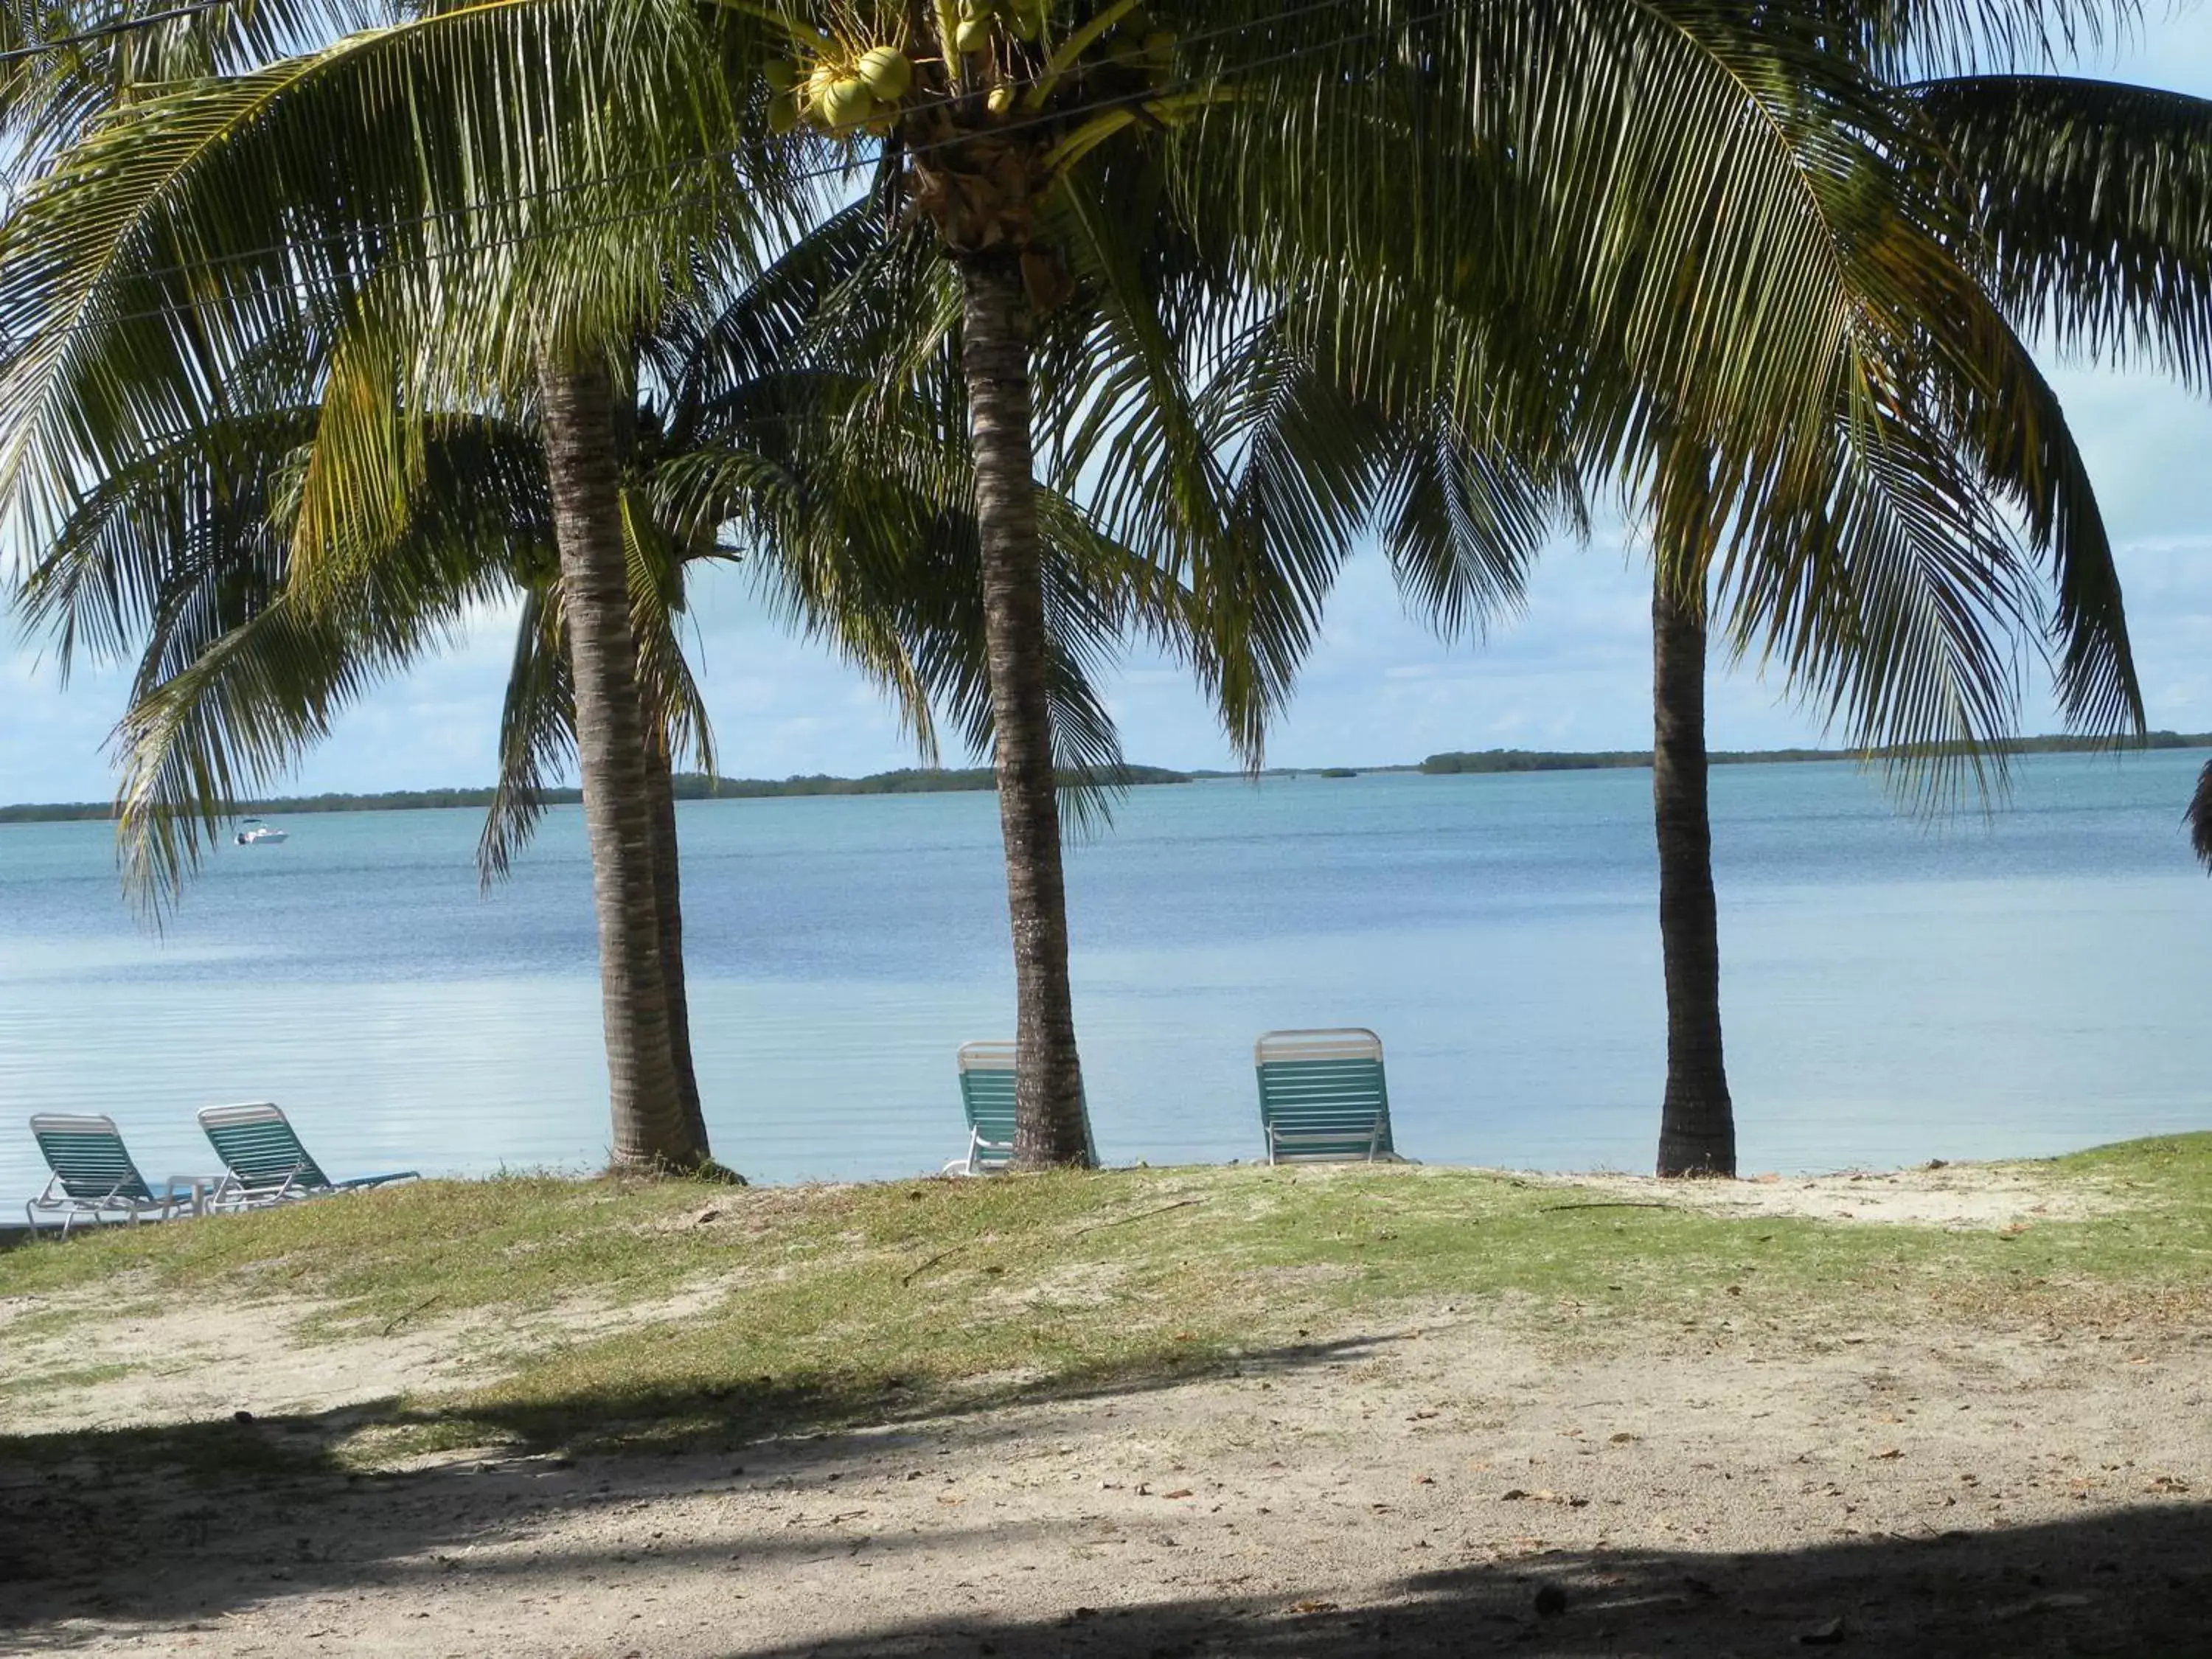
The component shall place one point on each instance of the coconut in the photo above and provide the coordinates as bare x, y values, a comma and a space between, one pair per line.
973, 35
848, 102
1001, 100
781, 74
824, 76
783, 112
888, 73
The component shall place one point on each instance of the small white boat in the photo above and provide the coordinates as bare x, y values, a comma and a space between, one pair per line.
253, 832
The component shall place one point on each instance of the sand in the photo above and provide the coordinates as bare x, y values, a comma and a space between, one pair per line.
1433, 1484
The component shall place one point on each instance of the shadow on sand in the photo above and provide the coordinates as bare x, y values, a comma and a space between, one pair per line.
156, 1526
2131, 1582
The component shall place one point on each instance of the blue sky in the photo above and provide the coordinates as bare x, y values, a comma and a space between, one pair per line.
1572, 673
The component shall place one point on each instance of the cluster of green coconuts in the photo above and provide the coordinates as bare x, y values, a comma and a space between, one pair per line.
838, 91
842, 89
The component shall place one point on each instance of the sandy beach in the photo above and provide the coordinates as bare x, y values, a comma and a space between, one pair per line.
1451, 1477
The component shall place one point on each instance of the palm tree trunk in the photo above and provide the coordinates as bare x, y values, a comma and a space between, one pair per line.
650, 1130
1697, 1124
668, 900
994, 358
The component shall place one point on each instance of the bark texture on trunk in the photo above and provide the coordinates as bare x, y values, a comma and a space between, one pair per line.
1697, 1124
650, 1128
1048, 1084
668, 901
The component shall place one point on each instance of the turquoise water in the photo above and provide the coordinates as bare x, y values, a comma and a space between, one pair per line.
2017, 985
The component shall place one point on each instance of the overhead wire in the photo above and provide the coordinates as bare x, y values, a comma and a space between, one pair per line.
123, 26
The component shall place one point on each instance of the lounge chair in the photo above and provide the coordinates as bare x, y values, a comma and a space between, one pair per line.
1322, 1099
987, 1095
264, 1162
95, 1179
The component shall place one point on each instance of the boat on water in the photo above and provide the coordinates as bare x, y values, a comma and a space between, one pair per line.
253, 832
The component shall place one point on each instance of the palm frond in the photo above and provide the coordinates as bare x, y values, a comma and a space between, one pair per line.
537, 735
2093, 202
2200, 817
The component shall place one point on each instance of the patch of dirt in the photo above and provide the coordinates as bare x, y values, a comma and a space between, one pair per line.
1941, 1490
1986, 1196
215, 1358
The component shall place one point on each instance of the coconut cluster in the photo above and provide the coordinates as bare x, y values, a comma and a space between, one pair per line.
849, 85
841, 89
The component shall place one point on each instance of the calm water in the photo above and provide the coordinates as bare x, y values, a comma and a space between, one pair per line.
1894, 994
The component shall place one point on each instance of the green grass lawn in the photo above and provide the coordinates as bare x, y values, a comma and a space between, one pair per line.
748, 1311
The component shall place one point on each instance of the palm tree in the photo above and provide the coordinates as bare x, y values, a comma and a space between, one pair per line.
1477, 210
731, 435
2081, 210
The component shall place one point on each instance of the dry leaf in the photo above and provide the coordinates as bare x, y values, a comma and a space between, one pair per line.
1180, 1491
1312, 1607
1889, 1456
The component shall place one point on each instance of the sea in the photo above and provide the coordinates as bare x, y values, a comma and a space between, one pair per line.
2014, 979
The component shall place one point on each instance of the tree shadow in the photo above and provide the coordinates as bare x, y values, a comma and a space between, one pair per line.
107, 1519
2137, 1581
156, 1526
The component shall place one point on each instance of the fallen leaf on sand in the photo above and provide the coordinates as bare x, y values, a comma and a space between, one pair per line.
950, 1497
1889, 1456
1180, 1491
1312, 1607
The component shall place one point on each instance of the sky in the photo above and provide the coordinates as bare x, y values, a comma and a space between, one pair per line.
1573, 671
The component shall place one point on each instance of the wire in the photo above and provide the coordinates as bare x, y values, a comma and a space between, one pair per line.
125, 26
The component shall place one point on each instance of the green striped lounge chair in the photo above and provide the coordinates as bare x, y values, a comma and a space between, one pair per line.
95, 1179
987, 1095
264, 1162
1322, 1099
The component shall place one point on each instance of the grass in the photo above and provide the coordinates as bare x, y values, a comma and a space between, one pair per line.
677, 1315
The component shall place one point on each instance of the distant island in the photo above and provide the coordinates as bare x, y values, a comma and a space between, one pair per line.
934, 781
1537, 760
690, 785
